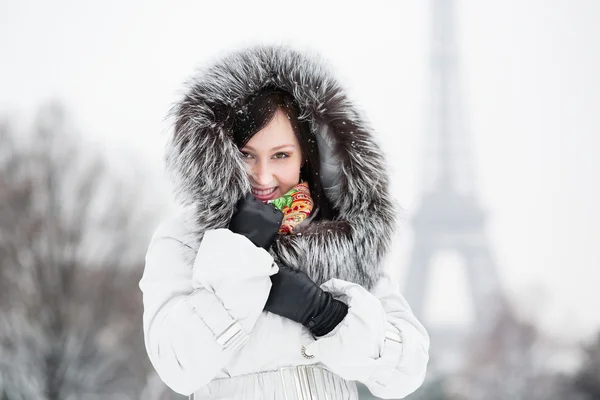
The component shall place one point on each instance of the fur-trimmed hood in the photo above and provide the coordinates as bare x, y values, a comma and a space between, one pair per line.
210, 175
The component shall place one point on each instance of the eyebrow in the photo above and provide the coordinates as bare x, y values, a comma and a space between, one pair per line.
274, 148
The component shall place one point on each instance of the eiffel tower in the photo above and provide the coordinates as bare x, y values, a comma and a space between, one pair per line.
449, 216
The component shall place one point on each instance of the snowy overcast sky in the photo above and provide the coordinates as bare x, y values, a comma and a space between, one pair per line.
530, 82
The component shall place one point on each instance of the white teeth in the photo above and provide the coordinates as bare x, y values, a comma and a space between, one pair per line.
263, 192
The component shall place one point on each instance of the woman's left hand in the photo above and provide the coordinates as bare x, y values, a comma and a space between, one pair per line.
295, 296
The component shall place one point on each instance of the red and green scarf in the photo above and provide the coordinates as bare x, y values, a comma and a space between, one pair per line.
296, 206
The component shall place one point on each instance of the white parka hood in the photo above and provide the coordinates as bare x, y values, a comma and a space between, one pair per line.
210, 175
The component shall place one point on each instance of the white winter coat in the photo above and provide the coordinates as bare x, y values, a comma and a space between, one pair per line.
206, 332
204, 287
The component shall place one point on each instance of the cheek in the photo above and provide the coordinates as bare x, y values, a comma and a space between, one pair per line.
289, 176
248, 167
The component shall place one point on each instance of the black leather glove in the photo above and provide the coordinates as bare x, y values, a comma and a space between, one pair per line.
256, 220
295, 296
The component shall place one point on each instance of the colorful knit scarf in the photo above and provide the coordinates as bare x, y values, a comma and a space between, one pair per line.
296, 205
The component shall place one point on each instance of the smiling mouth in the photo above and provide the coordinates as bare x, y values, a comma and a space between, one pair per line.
263, 193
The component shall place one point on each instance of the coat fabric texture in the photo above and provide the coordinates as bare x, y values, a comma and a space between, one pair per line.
205, 287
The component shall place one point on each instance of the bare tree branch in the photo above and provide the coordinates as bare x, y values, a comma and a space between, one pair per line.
71, 242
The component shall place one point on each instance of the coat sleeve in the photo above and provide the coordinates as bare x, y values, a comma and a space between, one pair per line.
380, 342
199, 312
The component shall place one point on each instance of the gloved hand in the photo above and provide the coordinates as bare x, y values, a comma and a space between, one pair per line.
295, 296
256, 220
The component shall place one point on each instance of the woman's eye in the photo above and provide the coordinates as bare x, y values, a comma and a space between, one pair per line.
281, 155
246, 155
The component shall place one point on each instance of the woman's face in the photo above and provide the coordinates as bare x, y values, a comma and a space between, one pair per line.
273, 158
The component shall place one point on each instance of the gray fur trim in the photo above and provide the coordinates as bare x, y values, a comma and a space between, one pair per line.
210, 175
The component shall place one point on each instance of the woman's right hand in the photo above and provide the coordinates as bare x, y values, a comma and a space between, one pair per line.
256, 220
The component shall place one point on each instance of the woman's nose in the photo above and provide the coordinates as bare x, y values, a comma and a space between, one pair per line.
262, 174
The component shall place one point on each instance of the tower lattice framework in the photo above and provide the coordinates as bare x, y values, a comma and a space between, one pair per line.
449, 217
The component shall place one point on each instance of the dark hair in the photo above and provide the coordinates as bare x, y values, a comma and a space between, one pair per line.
257, 112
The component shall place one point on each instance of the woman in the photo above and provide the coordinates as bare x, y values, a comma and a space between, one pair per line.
233, 310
